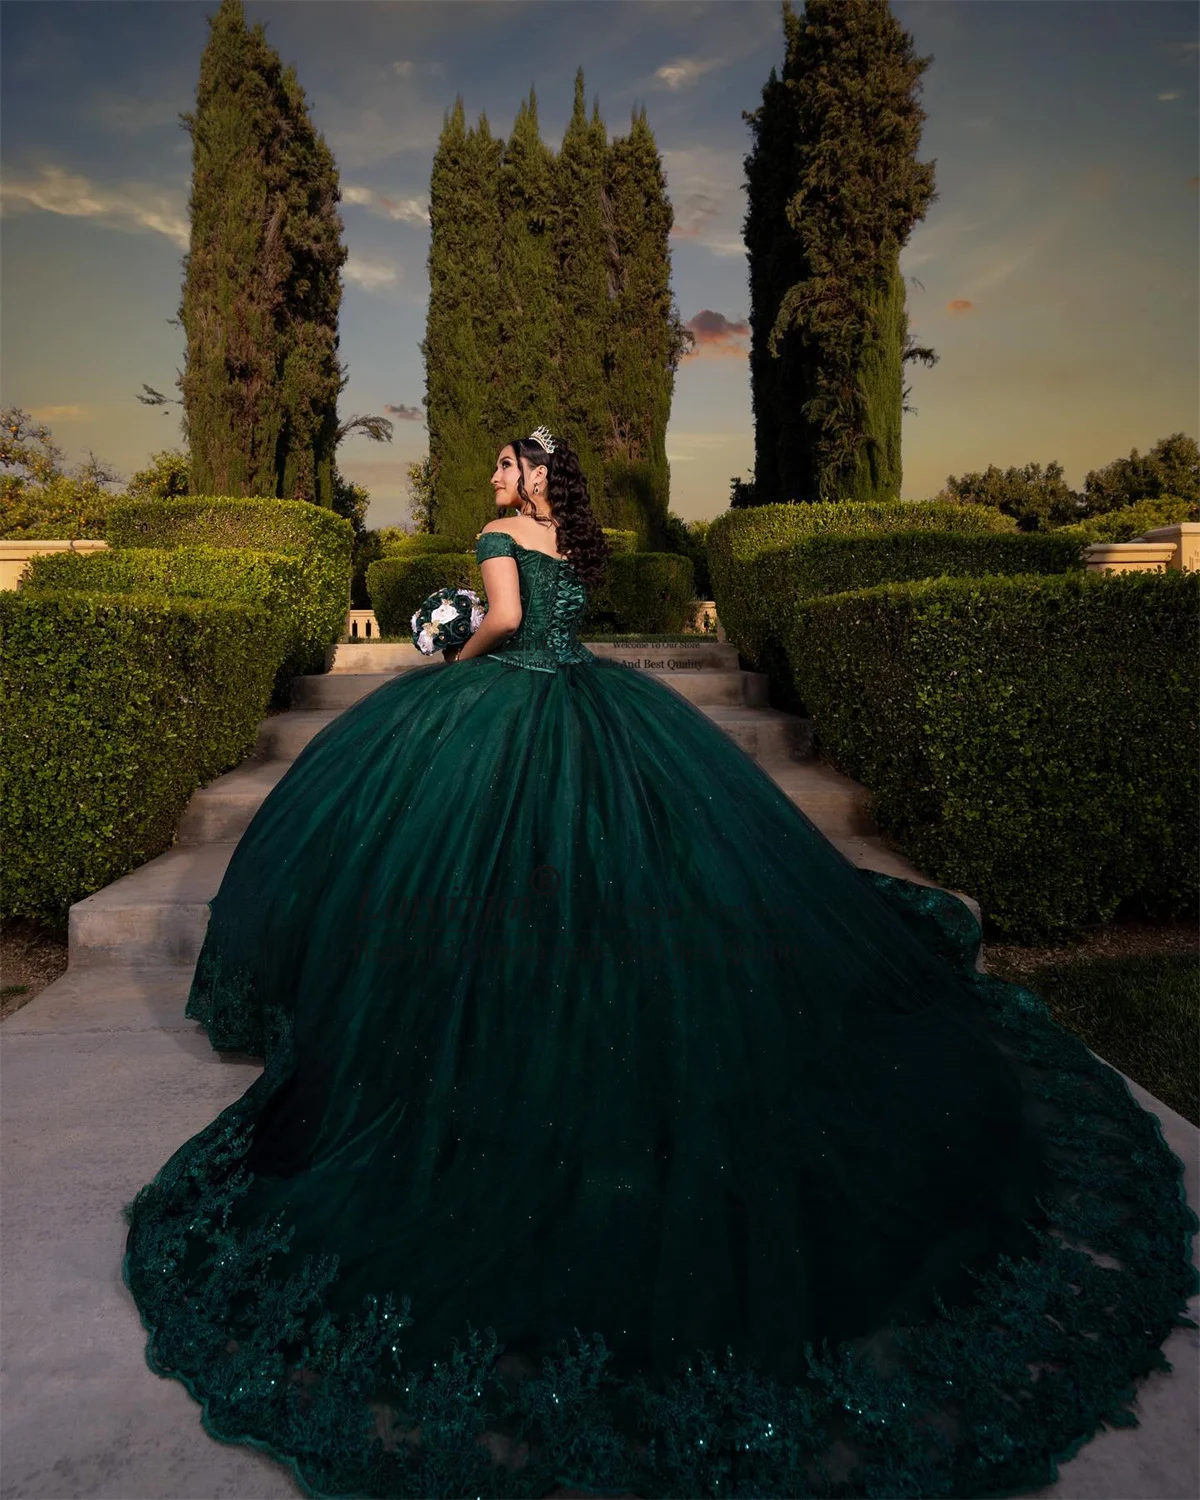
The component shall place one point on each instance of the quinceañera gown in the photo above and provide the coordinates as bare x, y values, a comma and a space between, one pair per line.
584, 1048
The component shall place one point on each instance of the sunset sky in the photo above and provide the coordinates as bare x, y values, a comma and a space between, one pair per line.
1055, 275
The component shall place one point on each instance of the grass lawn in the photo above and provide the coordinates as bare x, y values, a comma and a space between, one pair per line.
1140, 1012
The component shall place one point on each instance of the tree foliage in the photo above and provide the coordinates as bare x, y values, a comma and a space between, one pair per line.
1040, 499
834, 189
262, 282
550, 304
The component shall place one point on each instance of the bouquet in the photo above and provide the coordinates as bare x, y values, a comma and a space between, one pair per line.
446, 619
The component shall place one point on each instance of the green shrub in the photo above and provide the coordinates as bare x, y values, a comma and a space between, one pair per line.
642, 592
832, 564
114, 708
750, 570
620, 541
1030, 740
1130, 521
390, 541
272, 581
61, 509
397, 586
689, 539
323, 541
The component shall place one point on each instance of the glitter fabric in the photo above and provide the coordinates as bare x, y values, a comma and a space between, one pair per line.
581, 1043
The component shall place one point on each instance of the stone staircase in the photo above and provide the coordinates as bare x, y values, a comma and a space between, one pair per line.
156, 915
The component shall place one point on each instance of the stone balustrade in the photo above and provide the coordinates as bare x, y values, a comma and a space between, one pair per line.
15, 557
1175, 548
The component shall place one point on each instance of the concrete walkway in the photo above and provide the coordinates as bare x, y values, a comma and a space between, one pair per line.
101, 1079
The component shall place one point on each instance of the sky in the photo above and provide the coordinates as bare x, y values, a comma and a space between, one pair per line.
1055, 275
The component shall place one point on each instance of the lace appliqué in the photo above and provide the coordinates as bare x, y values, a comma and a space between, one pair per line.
985, 1400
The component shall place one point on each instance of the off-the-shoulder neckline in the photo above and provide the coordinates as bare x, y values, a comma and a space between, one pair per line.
537, 552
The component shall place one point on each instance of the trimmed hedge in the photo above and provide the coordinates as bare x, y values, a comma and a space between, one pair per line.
1031, 740
642, 592
273, 581
751, 573
114, 708
831, 564
1130, 521
322, 539
397, 586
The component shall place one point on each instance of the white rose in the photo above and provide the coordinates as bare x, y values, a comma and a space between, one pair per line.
444, 613
425, 640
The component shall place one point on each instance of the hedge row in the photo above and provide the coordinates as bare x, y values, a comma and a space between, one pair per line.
114, 708
832, 564
322, 540
1131, 521
1031, 740
751, 570
273, 581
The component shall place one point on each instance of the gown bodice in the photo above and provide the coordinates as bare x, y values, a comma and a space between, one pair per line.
553, 602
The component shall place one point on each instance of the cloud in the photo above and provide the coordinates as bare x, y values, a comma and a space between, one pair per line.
717, 337
406, 67
399, 209
371, 275
687, 71
133, 208
405, 413
706, 187
49, 414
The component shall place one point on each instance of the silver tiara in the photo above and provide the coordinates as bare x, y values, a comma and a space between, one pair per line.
543, 436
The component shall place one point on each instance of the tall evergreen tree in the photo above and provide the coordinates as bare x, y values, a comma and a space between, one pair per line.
646, 338
550, 302
461, 325
262, 282
581, 327
311, 375
834, 192
525, 375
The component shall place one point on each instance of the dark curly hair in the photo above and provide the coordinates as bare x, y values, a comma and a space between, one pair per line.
580, 539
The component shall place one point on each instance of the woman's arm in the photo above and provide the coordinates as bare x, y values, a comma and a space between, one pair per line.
502, 585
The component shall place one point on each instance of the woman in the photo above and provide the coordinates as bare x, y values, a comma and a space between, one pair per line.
615, 1131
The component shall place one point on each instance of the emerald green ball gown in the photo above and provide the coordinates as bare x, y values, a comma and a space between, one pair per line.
583, 1046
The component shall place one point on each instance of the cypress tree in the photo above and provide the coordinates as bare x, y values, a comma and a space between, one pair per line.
850, 190
262, 281
311, 376
581, 328
461, 324
525, 380
646, 336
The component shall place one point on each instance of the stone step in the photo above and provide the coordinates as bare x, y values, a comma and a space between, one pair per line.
771, 736
838, 806
221, 811
157, 914
283, 736
401, 656
699, 684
